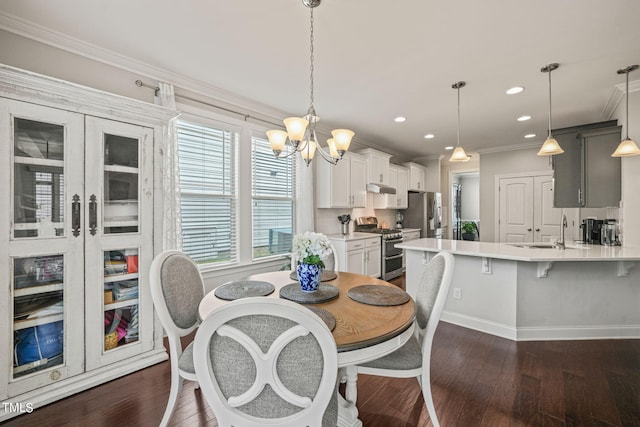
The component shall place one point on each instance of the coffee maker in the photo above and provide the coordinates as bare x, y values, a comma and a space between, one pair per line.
591, 231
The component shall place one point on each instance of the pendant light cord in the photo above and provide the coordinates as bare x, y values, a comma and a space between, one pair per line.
549, 102
627, 106
458, 87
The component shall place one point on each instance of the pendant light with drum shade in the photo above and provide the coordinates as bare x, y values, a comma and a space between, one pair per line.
550, 146
627, 147
458, 154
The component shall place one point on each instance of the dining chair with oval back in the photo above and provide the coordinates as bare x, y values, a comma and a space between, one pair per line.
267, 361
414, 358
176, 290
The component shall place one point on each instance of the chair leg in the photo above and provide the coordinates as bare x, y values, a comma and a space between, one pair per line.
176, 386
425, 385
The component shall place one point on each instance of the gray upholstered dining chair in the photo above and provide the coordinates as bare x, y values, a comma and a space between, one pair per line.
176, 290
267, 361
414, 358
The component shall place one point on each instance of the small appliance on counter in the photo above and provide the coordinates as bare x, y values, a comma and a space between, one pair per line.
609, 233
344, 222
399, 219
591, 229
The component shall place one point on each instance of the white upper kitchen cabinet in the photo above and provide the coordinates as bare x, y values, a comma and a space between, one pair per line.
398, 179
417, 176
377, 166
342, 185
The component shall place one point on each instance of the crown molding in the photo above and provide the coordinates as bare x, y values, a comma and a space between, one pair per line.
511, 147
616, 97
79, 47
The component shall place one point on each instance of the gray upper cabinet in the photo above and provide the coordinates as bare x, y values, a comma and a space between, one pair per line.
586, 175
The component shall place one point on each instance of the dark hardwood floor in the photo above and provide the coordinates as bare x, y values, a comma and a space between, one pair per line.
477, 380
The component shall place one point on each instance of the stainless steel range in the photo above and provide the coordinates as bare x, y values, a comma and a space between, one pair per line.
392, 257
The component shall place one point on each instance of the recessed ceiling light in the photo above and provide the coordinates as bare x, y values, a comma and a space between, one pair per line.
448, 148
399, 119
530, 135
524, 118
429, 136
514, 90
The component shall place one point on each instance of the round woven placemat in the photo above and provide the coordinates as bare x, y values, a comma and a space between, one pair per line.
326, 317
324, 293
378, 295
327, 275
243, 289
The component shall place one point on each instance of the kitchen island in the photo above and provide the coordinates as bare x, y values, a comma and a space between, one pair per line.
537, 293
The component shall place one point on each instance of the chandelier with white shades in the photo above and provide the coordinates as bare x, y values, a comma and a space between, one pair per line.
301, 131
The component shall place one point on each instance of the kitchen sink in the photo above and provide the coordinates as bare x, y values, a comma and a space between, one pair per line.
539, 246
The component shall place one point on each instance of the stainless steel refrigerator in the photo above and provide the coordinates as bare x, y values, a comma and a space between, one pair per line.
425, 212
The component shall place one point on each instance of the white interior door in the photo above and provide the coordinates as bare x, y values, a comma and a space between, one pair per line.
546, 218
516, 209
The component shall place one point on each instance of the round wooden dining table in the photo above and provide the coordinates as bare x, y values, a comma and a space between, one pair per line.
362, 332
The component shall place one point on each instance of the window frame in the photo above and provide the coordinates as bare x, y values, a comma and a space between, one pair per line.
244, 242
292, 197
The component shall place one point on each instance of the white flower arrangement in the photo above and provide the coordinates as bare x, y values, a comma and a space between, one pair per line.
311, 248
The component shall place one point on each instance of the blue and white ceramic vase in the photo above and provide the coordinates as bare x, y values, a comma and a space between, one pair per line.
309, 277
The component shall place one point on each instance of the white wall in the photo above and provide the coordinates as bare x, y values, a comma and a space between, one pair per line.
432, 176
630, 211
470, 197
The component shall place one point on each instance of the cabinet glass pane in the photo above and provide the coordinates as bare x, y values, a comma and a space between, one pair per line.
120, 151
38, 313
38, 140
120, 298
38, 185
120, 184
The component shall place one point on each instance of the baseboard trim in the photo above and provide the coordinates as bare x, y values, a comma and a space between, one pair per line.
556, 333
546, 333
480, 325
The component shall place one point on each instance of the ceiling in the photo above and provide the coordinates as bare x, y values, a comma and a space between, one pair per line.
378, 59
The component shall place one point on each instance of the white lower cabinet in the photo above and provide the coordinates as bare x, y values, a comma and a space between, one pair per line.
76, 238
359, 255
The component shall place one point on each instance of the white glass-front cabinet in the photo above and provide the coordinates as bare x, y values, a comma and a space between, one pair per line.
76, 239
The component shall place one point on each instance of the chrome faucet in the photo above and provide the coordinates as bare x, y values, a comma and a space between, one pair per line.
560, 244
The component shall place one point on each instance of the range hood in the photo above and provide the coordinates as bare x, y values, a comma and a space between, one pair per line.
380, 189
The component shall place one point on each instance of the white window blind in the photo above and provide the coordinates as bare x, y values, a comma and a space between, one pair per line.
273, 200
208, 196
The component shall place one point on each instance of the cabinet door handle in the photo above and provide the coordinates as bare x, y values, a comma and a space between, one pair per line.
528, 229
537, 229
93, 214
579, 196
75, 215
381, 178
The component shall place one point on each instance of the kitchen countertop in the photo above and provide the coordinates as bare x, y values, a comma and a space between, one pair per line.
573, 252
411, 229
356, 235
